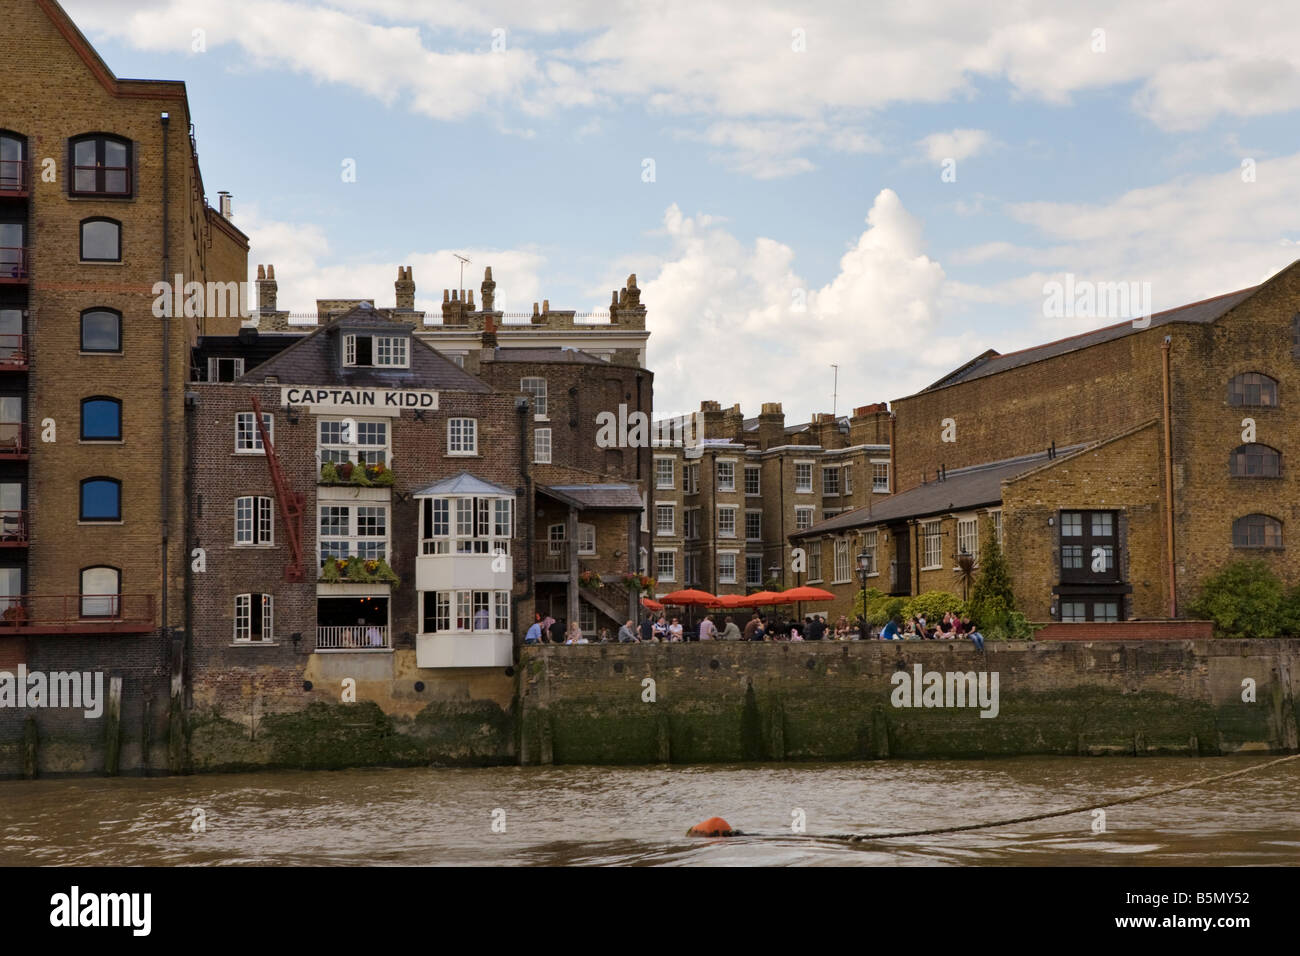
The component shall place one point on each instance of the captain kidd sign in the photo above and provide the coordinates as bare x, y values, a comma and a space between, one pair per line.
372, 401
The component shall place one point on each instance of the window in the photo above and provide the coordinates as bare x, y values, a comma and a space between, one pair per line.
665, 476
347, 531
101, 419
803, 477
586, 618
101, 166
933, 545
557, 539
996, 517
586, 539
1078, 610
815, 561
477, 525
339, 440
13, 169
101, 330
466, 611
753, 570
225, 369
831, 481
665, 519
726, 522
12, 349
726, 476
691, 568
754, 525
1252, 388
462, 436
542, 446
1255, 461
691, 479
869, 539
535, 388
848, 479
1257, 531
101, 240
248, 438
880, 477
376, 351
968, 537
691, 520
803, 518
666, 566
1089, 546
253, 521
842, 565
101, 592
101, 499
752, 474
726, 569
254, 618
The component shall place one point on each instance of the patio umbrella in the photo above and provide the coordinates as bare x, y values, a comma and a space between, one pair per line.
805, 593
730, 601
651, 604
690, 598
763, 599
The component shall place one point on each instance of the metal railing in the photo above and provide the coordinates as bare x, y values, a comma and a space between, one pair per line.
352, 637
13, 529
15, 265
13, 351
13, 440
15, 175
76, 613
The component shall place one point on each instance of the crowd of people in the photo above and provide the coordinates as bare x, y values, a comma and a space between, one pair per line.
814, 627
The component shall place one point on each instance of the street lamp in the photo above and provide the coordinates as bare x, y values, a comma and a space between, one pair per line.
864, 568
772, 573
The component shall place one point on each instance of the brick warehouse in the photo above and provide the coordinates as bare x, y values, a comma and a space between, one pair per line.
100, 198
1074, 434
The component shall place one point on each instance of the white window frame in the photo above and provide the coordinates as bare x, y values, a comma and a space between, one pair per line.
814, 561
671, 483
846, 480
871, 544
660, 575
843, 564
248, 438
757, 472
530, 386
351, 447
831, 471
244, 619
759, 514
968, 528
399, 347
586, 538
932, 534
879, 484
454, 605
260, 522
671, 509
810, 511
541, 446
722, 578
799, 467
453, 441
214, 364
691, 479
458, 529
376, 546
727, 510
728, 485
691, 524
995, 515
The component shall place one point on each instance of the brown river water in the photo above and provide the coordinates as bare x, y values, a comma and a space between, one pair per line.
639, 815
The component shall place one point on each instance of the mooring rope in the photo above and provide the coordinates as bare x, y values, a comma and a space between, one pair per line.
862, 837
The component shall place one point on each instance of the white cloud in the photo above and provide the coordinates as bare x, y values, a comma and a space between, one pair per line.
957, 145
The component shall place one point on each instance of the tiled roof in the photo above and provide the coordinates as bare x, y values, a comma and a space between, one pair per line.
610, 497
990, 363
549, 356
312, 360
963, 488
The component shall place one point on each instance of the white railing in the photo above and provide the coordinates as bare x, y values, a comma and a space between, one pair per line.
367, 637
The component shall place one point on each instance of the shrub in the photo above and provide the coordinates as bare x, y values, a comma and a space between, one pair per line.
880, 607
992, 603
329, 473
1246, 599
933, 605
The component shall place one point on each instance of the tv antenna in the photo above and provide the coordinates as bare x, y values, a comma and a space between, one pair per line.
835, 393
463, 261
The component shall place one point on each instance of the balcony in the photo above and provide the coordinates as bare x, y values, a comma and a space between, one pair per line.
13, 529
15, 177
13, 441
355, 637
15, 265
77, 614
551, 558
13, 353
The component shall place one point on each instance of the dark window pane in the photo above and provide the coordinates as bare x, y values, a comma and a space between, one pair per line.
101, 500
100, 332
101, 240
101, 419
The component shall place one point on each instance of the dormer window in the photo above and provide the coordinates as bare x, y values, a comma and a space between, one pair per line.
376, 351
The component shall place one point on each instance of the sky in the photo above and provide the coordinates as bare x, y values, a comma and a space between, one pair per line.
891, 188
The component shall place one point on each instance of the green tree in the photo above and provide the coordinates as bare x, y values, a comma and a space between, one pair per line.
1246, 599
992, 603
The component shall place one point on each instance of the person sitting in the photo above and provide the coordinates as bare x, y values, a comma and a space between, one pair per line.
944, 631
842, 628
547, 623
604, 635
661, 629
750, 627
647, 631
708, 630
973, 633
534, 635
627, 633
794, 633
557, 631
730, 632
675, 631
815, 628
890, 631
374, 637
574, 634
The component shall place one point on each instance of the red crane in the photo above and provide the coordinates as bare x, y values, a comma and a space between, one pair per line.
290, 501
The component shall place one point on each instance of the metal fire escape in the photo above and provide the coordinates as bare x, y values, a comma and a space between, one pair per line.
290, 501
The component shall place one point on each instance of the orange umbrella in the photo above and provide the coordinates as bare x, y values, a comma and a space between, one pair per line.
731, 601
764, 599
690, 597
805, 593
651, 604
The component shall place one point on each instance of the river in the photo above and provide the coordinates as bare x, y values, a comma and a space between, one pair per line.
639, 815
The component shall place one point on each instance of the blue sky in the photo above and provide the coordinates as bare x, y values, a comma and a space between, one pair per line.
781, 175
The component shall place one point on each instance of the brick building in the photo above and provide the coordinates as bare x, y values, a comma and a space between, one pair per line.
1132, 462
101, 197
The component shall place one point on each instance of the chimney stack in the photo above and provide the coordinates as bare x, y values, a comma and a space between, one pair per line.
405, 288
489, 290
266, 289
223, 203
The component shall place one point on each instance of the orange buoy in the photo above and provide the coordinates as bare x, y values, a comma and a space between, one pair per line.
713, 827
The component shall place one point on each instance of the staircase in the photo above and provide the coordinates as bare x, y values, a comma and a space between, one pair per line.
609, 599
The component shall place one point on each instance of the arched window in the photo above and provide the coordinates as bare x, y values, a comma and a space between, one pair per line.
101, 499
101, 330
1256, 531
1252, 388
101, 240
101, 419
13, 162
100, 165
101, 592
1255, 461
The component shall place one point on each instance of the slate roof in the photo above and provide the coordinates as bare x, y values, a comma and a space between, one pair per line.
313, 360
991, 362
549, 356
600, 497
964, 488
462, 484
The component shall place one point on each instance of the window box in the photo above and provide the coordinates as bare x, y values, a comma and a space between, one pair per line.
348, 473
356, 570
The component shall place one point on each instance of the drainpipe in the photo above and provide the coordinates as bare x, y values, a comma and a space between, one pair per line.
893, 465
165, 120
1169, 476
522, 408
